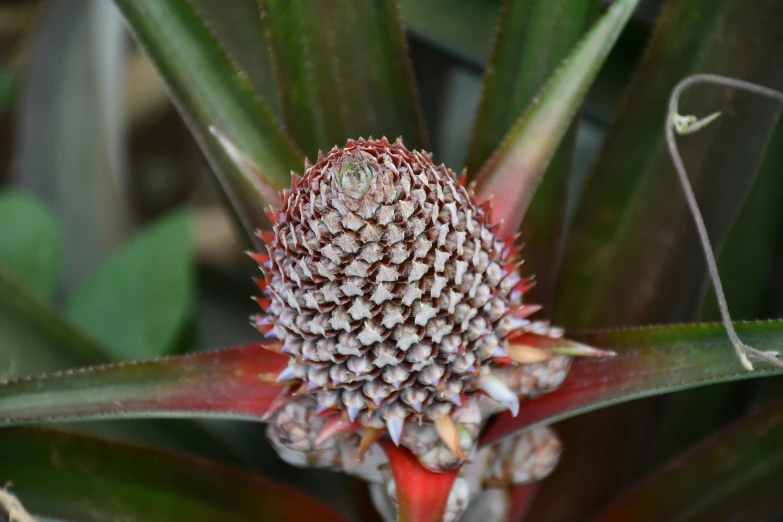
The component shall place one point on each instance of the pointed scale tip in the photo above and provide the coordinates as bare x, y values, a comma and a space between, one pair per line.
395, 425
263, 262
296, 179
525, 311
559, 345
286, 375
274, 346
333, 426
524, 286
522, 354
352, 413
262, 302
283, 398
261, 283
261, 323
261, 259
582, 350
499, 352
498, 391
266, 236
369, 437
447, 431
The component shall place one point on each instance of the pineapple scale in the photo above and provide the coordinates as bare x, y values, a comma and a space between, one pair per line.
386, 284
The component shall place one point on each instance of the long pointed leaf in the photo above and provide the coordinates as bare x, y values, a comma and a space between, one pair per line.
633, 255
515, 169
735, 475
210, 91
343, 71
35, 339
421, 494
231, 383
650, 361
532, 40
70, 477
241, 33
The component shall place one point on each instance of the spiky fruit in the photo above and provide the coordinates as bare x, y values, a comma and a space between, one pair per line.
387, 286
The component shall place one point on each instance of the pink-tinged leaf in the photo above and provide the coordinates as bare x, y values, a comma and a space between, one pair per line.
532, 38
649, 361
251, 172
232, 383
522, 498
737, 474
512, 174
62, 476
421, 494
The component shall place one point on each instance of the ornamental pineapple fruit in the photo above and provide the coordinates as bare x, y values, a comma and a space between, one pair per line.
386, 284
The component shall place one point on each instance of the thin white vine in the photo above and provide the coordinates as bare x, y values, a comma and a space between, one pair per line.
13, 508
689, 124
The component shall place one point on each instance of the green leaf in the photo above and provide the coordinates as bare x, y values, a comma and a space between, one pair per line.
754, 241
30, 243
737, 474
70, 477
34, 339
649, 361
633, 255
69, 146
137, 303
464, 27
512, 173
211, 91
240, 32
232, 383
533, 39
343, 72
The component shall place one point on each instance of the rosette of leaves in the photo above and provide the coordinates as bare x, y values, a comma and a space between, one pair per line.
399, 341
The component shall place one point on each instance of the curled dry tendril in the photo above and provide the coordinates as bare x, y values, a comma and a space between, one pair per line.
689, 124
